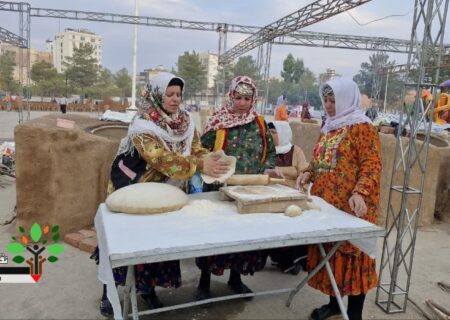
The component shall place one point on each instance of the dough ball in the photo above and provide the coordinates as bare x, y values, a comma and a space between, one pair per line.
293, 211
146, 198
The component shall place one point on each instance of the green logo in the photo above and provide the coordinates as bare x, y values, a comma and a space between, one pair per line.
36, 243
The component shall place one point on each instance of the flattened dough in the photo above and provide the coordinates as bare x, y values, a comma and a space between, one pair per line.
230, 160
147, 198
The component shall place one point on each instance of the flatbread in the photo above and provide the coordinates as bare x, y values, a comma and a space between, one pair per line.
230, 160
147, 198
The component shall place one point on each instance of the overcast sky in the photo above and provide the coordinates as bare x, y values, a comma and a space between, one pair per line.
162, 46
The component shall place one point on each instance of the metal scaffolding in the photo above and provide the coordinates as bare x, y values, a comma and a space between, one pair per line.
13, 39
410, 160
310, 14
221, 85
24, 29
377, 78
281, 32
22, 41
316, 11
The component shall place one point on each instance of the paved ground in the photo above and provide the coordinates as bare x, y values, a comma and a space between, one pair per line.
69, 289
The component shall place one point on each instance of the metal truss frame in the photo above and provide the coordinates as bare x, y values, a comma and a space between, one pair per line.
308, 15
377, 79
300, 38
12, 38
403, 216
23, 42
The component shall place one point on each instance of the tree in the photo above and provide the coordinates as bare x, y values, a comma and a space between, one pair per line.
7, 65
123, 81
193, 72
276, 87
105, 86
245, 66
365, 78
47, 82
293, 69
82, 67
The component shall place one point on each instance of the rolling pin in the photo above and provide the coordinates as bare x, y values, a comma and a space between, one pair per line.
252, 180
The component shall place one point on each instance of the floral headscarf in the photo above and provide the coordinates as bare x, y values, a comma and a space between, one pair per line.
176, 130
226, 117
348, 104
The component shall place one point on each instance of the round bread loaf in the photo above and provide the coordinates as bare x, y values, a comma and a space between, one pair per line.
146, 198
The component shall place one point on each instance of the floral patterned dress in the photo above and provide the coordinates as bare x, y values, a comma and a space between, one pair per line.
347, 160
161, 166
245, 143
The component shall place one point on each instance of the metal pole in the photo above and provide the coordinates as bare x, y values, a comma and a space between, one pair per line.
410, 160
385, 92
133, 92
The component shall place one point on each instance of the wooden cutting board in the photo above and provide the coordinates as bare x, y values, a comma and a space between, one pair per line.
270, 198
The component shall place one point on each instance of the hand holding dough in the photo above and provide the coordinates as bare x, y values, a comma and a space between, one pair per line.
231, 161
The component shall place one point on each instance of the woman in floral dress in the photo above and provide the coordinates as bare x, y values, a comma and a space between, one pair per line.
162, 145
239, 131
345, 171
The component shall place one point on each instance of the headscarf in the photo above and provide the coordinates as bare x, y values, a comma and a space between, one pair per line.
226, 117
284, 136
348, 104
176, 130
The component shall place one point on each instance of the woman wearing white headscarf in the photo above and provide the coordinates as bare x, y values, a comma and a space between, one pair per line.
345, 171
162, 145
290, 161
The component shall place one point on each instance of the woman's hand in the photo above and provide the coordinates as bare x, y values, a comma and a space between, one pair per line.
274, 173
302, 179
213, 166
357, 204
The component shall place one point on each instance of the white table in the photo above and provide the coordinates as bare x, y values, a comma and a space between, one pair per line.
199, 230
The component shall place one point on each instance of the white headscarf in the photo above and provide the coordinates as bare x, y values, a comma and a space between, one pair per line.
142, 123
284, 136
348, 104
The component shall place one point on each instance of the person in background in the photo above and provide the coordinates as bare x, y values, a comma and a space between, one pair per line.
163, 146
345, 172
281, 111
239, 131
306, 115
290, 163
18, 102
63, 104
372, 112
8, 102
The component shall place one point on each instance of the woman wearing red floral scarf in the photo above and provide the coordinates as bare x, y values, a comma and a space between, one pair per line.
162, 145
239, 131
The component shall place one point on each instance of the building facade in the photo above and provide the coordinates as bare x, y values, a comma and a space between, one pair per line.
35, 56
64, 43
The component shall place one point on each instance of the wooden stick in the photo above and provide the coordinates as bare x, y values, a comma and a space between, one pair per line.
421, 310
440, 311
444, 286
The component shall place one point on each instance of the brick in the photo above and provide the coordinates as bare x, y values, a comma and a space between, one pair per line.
88, 233
88, 245
73, 238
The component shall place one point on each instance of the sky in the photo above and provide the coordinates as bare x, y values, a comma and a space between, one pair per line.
162, 46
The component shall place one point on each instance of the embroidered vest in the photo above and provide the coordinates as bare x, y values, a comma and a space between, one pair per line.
222, 138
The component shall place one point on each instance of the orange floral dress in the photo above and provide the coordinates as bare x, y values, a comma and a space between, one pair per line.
347, 160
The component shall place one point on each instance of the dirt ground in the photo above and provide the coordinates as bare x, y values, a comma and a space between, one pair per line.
69, 288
